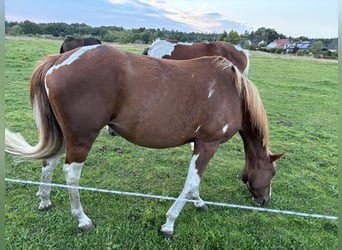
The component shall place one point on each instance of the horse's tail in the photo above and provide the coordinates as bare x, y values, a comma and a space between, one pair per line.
50, 134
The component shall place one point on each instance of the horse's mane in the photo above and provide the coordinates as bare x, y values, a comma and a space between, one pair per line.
250, 94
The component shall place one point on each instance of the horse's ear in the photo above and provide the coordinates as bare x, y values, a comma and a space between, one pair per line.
275, 157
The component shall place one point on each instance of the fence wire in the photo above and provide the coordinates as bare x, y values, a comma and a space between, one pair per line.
260, 209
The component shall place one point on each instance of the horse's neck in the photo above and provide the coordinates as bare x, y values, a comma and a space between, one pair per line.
253, 145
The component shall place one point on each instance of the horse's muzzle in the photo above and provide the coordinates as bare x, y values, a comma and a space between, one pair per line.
261, 201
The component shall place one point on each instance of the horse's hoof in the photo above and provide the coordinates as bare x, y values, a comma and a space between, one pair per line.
202, 208
45, 207
87, 227
167, 235
111, 132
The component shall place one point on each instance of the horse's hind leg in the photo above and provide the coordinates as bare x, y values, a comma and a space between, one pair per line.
46, 177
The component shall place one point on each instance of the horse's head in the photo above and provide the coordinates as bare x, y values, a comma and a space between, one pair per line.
258, 176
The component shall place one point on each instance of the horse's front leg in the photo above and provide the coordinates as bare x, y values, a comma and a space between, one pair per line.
191, 190
72, 174
46, 177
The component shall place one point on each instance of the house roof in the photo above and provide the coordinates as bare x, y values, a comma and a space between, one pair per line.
304, 45
278, 43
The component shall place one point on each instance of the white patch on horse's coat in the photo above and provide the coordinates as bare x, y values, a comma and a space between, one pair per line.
73, 57
211, 88
190, 190
46, 87
246, 71
225, 128
238, 48
160, 48
197, 129
246, 52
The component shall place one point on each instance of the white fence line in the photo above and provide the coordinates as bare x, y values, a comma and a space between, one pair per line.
319, 216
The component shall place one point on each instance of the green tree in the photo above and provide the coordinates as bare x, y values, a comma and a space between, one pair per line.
31, 28
266, 34
233, 37
14, 30
317, 46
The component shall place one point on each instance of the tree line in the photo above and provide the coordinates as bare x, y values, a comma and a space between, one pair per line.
137, 35
141, 35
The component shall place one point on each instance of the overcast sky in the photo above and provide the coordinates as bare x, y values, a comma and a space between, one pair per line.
311, 18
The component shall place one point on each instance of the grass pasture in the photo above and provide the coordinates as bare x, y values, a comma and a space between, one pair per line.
300, 97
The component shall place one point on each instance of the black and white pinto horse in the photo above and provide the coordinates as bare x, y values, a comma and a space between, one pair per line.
169, 49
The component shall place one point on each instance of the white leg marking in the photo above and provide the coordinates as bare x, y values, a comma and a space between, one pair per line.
190, 190
225, 128
72, 174
44, 191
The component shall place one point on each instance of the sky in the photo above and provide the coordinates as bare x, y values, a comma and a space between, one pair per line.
310, 18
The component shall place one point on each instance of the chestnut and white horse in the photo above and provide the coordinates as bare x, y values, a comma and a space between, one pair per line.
151, 102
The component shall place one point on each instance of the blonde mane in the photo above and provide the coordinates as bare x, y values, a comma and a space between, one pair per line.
250, 94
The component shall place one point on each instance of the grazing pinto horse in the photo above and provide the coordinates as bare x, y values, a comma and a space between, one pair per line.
151, 102
182, 51
71, 43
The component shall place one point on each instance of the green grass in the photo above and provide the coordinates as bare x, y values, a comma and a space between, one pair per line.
300, 97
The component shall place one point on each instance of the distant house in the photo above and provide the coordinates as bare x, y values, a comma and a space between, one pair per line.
291, 48
304, 45
278, 43
258, 41
333, 46
245, 43
261, 43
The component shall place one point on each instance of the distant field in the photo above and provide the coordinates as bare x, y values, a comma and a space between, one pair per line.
300, 97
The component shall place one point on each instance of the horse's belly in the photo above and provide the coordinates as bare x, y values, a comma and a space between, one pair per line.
156, 134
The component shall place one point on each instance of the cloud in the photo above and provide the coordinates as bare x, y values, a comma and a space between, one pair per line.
171, 15
119, 1
201, 21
